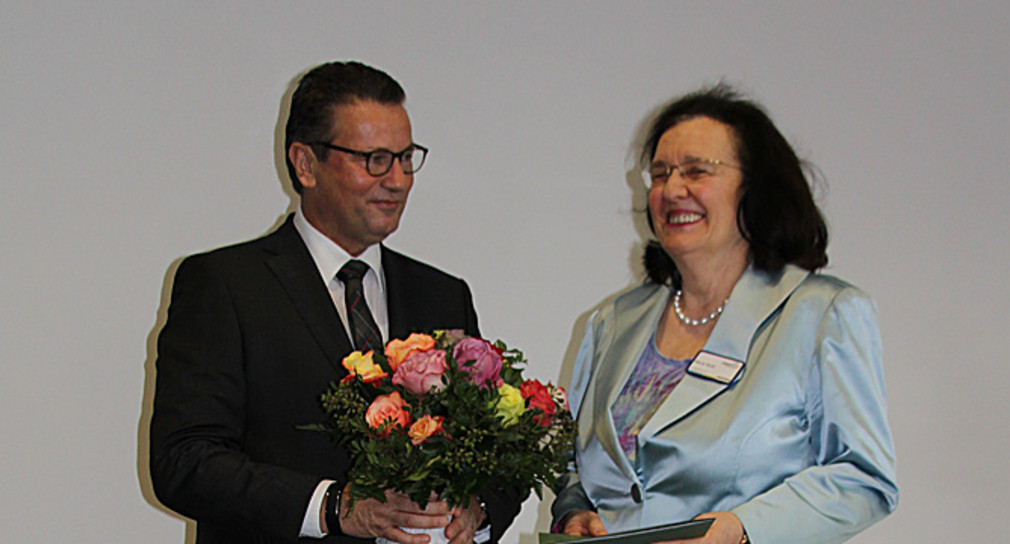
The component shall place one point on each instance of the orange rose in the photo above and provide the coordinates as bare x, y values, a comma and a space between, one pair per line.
359, 364
388, 410
423, 428
398, 350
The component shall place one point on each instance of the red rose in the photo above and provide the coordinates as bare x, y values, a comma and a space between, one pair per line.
538, 396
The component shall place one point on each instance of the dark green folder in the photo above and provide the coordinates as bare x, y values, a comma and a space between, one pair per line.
661, 533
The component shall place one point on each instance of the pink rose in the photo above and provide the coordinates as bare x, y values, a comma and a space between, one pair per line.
398, 350
388, 410
486, 361
423, 428
560, 396
421, 372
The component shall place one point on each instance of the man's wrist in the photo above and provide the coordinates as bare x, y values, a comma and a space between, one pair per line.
331, 508
486, 521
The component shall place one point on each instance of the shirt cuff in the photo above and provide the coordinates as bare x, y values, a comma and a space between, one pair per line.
310, 523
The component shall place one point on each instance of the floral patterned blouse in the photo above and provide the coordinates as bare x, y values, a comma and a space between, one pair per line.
652, 380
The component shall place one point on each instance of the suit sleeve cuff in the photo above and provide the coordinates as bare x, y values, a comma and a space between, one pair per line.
482, 535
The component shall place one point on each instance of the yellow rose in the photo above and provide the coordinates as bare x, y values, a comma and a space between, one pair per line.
361, 364
510, 404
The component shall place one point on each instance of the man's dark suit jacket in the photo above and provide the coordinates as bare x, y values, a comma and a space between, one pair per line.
251, 342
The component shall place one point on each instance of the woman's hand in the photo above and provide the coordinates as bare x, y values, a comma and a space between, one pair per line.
726, 529
583, 523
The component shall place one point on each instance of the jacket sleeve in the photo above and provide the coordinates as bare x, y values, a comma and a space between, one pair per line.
197, 466
852, 482
572, 496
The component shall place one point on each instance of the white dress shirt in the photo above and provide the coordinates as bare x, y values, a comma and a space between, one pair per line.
330, 258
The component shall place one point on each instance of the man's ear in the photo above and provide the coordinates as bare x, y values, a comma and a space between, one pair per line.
305, 163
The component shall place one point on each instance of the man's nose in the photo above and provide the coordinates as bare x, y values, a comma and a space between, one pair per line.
395, 178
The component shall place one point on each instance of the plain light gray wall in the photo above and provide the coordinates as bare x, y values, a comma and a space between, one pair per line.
136, 133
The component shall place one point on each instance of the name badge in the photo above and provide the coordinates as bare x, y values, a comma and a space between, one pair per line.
715, 367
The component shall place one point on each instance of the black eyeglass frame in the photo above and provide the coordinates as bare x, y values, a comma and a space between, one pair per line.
367, 155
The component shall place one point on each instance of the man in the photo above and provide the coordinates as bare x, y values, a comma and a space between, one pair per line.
257, 331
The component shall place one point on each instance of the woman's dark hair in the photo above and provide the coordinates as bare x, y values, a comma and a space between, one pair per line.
777, 215
324, 88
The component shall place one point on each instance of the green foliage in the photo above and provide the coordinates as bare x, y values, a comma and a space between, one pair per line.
476, 451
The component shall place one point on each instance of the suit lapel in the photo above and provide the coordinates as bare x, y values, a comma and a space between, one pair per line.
292, 265
636, 316
754, 298
397, 294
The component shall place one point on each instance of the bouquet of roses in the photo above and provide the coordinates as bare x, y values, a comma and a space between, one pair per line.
447, 414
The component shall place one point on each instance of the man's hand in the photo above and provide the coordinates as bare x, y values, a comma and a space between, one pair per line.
583, 523
465, 522
372, 518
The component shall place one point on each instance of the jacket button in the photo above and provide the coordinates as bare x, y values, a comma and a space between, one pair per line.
636, 493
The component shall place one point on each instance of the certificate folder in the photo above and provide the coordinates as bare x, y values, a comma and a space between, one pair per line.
674, 531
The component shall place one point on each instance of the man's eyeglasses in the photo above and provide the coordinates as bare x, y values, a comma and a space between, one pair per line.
380, 161
691, 169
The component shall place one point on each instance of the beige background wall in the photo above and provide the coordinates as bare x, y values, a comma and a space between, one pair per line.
136, 133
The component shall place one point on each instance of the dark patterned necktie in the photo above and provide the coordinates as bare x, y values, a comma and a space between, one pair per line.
365, 333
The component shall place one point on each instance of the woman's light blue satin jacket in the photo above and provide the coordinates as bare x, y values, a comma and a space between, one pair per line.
798, 447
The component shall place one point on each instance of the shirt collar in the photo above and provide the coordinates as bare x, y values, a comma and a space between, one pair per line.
329, 256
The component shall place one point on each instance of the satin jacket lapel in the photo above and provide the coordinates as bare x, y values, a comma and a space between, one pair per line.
292, 265
754, 298
636, 316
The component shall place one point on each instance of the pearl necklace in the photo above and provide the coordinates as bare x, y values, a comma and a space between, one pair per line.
694, 322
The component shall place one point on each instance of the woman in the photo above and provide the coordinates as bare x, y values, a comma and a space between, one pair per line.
736, 383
